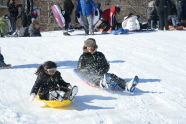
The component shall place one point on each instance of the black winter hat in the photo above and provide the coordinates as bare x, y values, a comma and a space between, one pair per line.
90, 42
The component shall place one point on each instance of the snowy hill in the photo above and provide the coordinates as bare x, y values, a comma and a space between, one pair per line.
158, 58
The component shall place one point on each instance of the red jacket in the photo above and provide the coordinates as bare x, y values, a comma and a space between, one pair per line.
108, 14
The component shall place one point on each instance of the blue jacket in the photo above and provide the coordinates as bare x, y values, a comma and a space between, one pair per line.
85, 7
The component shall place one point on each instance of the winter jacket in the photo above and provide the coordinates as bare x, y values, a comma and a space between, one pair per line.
85, 7
45, 83
162, 5
131, 23
13, 9
27, 7
95, 63
109, 15
68, 7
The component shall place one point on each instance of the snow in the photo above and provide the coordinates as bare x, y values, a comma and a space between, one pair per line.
158, 58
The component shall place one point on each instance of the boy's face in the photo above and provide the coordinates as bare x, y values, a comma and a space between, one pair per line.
90, 49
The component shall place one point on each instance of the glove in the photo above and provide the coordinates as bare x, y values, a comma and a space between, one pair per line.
32, 96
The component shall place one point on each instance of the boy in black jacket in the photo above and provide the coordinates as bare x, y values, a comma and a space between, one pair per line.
93, 67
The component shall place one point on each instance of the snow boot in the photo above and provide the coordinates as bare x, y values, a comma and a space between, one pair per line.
73, 93
131, 86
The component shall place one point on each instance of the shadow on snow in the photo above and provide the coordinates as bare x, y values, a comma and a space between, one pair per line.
64, 64
84, 102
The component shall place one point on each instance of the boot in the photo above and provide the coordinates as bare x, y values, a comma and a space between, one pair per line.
121, 82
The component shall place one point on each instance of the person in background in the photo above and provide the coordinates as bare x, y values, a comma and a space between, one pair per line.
86, 9
152, 15
98, 6
31, 31
162, 9
131, 23
13, 14
26, 12
181, 11
68, 8
109, 15
172, 16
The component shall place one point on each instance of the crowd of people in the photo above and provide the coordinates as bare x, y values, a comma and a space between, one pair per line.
161, 14
27, 12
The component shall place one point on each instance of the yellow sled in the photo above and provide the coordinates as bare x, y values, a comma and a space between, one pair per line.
55, 103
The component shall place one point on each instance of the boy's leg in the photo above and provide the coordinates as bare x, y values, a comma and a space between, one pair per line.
121, 82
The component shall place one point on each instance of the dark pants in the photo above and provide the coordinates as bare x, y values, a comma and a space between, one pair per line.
13, 24
26, 20
152, 23
163, 20
67, 21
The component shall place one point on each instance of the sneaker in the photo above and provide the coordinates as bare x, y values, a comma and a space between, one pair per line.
132, 84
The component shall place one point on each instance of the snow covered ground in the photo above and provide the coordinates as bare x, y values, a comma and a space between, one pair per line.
158, 58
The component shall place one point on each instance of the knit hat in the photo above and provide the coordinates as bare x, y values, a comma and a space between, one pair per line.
90, 42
